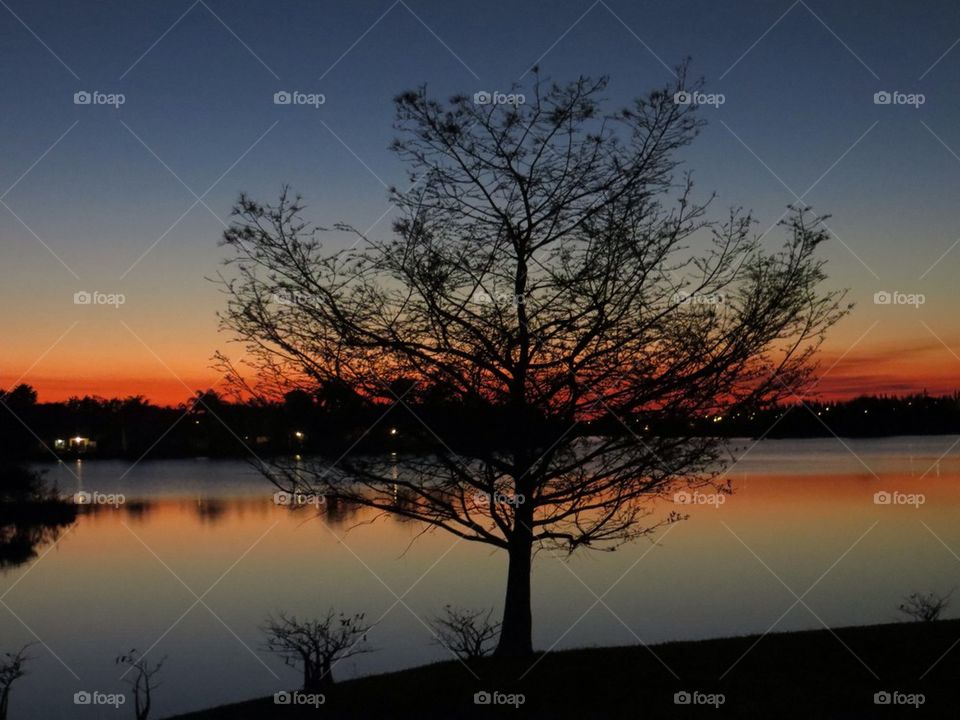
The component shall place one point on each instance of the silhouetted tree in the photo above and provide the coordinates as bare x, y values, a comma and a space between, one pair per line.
142, 681
17, 407
19, 484
11, 670
924, 607
32, 513
470, 634
316, 645
540, 275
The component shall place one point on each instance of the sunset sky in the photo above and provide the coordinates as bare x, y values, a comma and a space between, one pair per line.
96, 198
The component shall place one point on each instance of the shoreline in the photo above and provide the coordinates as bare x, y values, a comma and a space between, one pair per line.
834, 673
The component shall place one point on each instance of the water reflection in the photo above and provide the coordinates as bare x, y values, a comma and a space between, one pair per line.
138, 509
799, 506
24, 529
210, 510
27, 528
214, 511
32, 514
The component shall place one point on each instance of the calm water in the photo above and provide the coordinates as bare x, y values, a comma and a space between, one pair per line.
130, 576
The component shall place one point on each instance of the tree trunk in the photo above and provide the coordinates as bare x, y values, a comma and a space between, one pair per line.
516, 633
317, 676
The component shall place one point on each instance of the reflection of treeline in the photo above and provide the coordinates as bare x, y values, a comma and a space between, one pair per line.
32, 514
335, 419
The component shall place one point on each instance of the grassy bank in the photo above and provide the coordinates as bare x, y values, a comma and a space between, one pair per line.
789, 675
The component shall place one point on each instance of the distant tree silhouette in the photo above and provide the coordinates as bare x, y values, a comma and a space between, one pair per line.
539, 277
334, 417
11, 669
470, 634
316, 645
32, 513
925, 607
142, 681
19, 484
17, 407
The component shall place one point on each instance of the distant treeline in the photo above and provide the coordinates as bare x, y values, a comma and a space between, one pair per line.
337, 420
865, 416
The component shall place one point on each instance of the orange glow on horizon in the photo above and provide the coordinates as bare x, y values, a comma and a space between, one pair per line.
167, 391
883, 366
845, 381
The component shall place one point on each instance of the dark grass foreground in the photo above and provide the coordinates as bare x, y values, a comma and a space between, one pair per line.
793, 675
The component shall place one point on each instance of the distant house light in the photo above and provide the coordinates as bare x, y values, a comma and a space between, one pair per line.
393, 431
81, 444
299, 435
59, 443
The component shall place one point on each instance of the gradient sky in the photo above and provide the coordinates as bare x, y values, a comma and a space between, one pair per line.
102, 199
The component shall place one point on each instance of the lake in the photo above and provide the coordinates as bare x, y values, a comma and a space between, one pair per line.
199, 554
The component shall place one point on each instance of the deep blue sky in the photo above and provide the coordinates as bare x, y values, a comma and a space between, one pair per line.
800, 98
